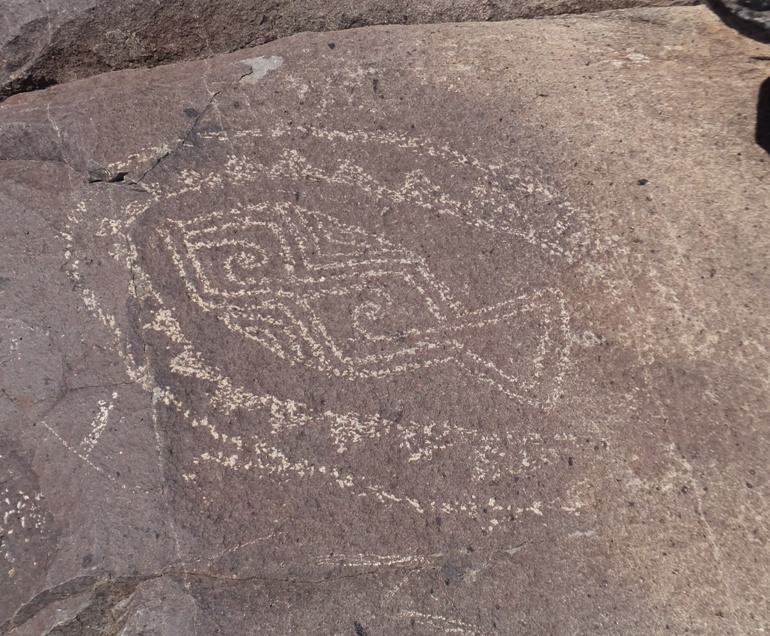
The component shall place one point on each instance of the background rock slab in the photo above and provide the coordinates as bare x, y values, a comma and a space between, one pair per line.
515, 379
54, 41
750, 17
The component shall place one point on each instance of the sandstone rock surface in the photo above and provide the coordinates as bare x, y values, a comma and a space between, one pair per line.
431, 329
45, 42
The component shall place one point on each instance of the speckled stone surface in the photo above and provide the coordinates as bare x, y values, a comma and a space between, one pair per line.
46, 42
433, 329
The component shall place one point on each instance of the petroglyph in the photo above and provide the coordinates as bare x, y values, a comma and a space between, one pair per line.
276, 273
83, 456
339, 295
380, 561
488, 457
20, 515
97, 426
439, 624
495, 198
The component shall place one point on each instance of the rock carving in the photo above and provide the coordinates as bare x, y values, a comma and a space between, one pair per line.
342, 300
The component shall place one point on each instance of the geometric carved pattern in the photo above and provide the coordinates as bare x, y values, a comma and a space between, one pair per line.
343, 301
326, 295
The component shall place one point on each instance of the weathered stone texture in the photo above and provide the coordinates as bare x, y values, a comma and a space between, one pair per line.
45, 42
431, 329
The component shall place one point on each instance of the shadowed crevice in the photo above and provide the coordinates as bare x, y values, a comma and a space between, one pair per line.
25, 84
749, 17
762, 131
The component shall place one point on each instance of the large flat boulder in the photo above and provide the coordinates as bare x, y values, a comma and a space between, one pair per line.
433, 329
45, 42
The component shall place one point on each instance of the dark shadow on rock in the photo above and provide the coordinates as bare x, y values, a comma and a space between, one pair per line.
762, 131
26, 84
749, 17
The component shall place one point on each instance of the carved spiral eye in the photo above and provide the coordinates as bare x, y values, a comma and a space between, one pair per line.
240, 265
366, 314
227, 265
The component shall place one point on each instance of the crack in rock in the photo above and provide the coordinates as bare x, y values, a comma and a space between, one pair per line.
46, 598
104, 615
